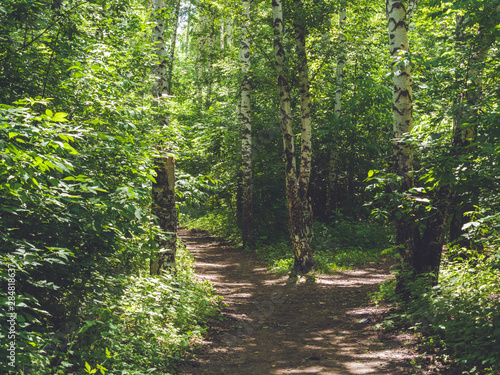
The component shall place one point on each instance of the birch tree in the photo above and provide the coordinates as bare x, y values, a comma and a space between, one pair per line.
163, 190
304, 261
246, 129
402, 122
305, 118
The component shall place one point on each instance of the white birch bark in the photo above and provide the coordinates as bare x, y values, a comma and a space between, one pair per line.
305, 119
159, 88
402, 90
246, 129
303, 257
163, 190
402, 125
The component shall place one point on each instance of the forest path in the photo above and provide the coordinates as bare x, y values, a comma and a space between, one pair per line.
275, 327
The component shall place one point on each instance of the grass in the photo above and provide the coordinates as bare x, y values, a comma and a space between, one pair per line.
342, 246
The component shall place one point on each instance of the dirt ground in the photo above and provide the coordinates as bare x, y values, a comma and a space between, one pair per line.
272, 326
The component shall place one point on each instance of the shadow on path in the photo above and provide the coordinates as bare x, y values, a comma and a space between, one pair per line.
275, 327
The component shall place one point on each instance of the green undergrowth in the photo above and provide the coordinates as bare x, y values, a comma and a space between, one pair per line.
140, 325
219, 222
459, 319
341, 246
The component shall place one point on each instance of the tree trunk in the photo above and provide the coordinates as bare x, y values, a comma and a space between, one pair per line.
163, 190
246, 130
402, 126
305, 119
159, 88
464, 123
339, 83
428, 256
427, 260
303, 256
163, 209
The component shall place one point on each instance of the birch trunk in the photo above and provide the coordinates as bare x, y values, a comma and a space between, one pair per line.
246, 130
159, 87
303, 256
163, 190
163, 208
305, 119
337, 108
402, 126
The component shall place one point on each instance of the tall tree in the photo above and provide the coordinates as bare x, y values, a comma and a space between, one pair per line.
246, 129
305, 117
163, 190
445, 197
402, 105
304, 261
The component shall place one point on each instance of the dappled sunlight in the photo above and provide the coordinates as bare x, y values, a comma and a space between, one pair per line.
295, 328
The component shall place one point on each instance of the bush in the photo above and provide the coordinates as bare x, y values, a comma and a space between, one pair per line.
139, 325
460, 317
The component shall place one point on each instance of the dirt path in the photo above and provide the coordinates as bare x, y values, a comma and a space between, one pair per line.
275, 327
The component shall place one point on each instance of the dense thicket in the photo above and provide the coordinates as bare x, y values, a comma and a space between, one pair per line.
78, 136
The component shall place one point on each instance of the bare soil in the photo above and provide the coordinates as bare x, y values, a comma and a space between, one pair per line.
273, 326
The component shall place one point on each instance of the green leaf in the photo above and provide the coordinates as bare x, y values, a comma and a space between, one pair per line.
59, 117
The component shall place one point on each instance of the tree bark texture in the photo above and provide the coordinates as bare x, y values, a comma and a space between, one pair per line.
303, 256
402, 125
163, 190
305, 118
164, 212
160, 87
246, 129
402, 90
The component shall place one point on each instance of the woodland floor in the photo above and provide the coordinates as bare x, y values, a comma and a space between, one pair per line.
272, 326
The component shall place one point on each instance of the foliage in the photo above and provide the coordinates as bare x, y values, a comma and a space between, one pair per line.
458, 318
343, 246
137, 325
219, 222
75, 170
